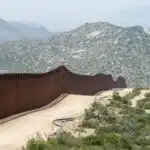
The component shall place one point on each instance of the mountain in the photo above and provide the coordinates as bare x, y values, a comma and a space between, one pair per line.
89, 49
147, 30
30, 23
20, 31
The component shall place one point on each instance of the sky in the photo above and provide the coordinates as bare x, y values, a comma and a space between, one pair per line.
59, 15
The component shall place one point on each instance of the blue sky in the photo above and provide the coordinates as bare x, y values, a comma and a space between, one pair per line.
60, 15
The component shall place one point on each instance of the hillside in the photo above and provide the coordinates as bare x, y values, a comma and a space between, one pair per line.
21, 31
89, 49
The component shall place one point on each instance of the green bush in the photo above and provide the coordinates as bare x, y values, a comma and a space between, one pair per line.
126, 101
143, 141
118, 101
108, 129
116, 96
126, 142
112, 138
68, 139
93, 140
147, 95
34, 144
146, 106
144, 103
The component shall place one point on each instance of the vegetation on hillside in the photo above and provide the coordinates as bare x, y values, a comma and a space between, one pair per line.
145, 103
90, 49
117, 126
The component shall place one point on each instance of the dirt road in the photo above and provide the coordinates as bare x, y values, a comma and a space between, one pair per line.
14, 134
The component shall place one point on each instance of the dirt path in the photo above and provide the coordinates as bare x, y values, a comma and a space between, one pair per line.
14, 133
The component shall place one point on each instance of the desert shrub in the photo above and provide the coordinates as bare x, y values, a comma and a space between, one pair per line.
68, 139
108, 129
131, 95
116, 96
115, 104
126, 142
62, 142
147, 95
143, 141
90, 123
96, 115
126, 101
118, 101
111, 138
132, 111
94, 140
144, 103
146, 106
111, 119
35, 144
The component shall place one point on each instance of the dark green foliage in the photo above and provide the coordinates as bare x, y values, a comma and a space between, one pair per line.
147, 95
146, 106
116, 96
34, 144
68, 139
118, 101
94, 140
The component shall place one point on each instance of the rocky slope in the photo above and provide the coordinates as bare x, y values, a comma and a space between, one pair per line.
89, 49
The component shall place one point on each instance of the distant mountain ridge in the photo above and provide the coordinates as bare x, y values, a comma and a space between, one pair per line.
30, 23
89, 49
20, 31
